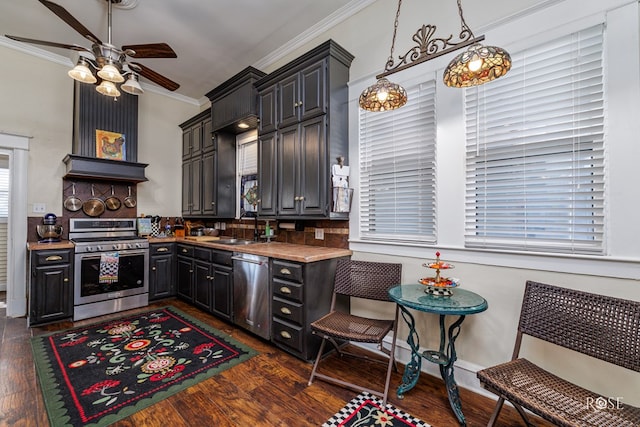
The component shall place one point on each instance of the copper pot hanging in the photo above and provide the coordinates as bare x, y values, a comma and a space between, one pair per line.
94, 206
112, 202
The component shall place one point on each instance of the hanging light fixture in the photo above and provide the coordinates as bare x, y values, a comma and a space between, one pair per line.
110, 72
132, 85
108, 88
477, 65
384, 95
81, 72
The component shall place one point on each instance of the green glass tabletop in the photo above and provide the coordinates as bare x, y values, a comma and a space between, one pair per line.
462, 302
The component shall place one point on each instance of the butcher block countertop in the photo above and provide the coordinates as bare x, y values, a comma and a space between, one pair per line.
37, 246
287, 251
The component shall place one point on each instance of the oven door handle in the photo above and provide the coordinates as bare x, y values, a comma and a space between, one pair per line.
97, 255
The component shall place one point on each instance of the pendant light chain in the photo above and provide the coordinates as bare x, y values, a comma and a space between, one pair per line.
463, 23
395, 30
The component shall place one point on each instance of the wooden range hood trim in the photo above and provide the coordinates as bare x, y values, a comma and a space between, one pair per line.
94, 168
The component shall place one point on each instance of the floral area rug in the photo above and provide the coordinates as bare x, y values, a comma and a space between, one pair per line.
101, 373
366, 410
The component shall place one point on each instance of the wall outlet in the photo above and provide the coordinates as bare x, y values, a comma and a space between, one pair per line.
320, 233
39, 207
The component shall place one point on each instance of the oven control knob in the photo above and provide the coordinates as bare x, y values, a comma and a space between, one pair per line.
115, 247
99, 248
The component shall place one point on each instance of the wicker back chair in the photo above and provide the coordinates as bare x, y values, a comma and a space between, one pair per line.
361, 279
600, 326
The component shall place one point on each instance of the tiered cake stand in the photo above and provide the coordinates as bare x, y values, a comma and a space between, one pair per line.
439, 286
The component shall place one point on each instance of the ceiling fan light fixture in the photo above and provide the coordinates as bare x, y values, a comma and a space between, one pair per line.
477, 65
110, 72
82, 73
108, 88
132, 86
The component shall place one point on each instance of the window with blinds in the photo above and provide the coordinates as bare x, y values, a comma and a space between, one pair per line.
397, 170
535, 151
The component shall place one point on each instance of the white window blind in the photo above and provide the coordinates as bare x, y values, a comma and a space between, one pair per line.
535, 151
248, 158
4, 192
397, 169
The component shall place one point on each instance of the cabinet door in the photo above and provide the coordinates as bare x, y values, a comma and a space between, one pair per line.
288, 146
222, 292
196, 139
267, 112
288, 100
313, 175
312, 91
161, 277
186, 143
267, 162
186, 187
196, 185
202, 280
185, 278
208, 141
209, 184
51, 293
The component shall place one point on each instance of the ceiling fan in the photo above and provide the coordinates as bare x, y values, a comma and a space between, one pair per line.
110, 62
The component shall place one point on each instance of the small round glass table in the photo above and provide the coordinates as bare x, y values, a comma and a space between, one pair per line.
461, 303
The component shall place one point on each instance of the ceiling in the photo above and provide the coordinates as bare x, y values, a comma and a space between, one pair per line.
213, 39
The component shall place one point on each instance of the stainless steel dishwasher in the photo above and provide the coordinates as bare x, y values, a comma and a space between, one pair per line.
252, 293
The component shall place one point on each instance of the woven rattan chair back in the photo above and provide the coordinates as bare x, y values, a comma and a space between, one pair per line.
568, 318
366, 279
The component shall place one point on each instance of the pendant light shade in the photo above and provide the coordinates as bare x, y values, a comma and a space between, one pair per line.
132, 85
477, 65
111, 73
108, 88
383, 96
82, 73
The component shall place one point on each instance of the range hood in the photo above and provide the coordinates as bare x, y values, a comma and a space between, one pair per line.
95, 168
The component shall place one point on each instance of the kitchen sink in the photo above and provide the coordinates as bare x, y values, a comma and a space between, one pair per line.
235, 241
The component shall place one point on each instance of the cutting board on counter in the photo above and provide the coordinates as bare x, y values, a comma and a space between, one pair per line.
202, 238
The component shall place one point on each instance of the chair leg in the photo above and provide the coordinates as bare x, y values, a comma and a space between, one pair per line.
315, 364
496, 412
392, 359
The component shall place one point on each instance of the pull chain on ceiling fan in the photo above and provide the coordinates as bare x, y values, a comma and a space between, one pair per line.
110, 63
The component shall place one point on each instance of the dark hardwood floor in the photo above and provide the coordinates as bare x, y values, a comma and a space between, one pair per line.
268, 390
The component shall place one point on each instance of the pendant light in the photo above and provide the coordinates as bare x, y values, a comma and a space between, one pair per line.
384, 95
81, 72
132, 85
108, 88
477, 65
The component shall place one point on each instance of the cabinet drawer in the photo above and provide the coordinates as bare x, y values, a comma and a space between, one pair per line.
288, 290
202, 254
161, 249
287, 271
288, 334
185, 250
222, 257
287, 310
53, 257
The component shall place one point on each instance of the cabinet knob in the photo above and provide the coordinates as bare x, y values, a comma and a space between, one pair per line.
285, 271
285, 334
285, 290
285, 310
66, 279
153, 268
185, 250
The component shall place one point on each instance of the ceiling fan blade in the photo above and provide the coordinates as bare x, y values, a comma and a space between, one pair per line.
62, 13
159, 79
151, 50
47, 43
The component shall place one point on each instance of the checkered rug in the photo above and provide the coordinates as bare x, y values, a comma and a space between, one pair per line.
367, 410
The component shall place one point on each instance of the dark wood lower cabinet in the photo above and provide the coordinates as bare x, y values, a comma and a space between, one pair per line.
162, 276
50, 285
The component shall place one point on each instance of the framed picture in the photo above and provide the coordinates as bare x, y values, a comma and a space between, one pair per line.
110, 145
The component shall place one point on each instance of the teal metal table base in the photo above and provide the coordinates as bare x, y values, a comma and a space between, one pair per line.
445, 357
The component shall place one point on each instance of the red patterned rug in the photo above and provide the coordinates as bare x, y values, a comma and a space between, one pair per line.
367, 410
104, 372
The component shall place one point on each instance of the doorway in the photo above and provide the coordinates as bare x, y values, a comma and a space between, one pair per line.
14, 153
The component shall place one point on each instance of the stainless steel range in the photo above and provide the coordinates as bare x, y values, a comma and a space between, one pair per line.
111, 266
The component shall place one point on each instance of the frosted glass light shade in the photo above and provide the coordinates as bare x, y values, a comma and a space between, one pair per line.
108, 88
111, 73
132, 86
82, 73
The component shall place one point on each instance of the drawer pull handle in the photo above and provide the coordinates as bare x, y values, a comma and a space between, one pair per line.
285, 290
53, 258
285, 271
65, 280
285, 334
185, 250
163, 249
285, 310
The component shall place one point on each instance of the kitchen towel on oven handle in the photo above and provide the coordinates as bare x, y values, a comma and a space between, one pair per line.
109, 264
